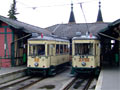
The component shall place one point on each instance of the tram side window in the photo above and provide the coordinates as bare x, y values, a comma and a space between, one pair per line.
48, 49
32, 50
57, 49
35, 50
77, 50
84, 49
90, 48
61, 49
66, 50
95, 49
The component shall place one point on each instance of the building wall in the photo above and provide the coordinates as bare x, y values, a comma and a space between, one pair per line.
5, 45
12, 48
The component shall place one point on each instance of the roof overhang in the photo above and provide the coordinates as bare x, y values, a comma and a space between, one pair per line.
112, 31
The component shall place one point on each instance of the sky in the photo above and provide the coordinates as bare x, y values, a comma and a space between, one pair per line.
45, 13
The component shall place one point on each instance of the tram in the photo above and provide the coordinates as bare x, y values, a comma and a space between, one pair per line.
85, 54
47, 54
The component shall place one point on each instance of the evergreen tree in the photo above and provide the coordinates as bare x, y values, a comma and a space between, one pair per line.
12, 11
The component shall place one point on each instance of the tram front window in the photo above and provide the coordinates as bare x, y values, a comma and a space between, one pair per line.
83, 49
36, 50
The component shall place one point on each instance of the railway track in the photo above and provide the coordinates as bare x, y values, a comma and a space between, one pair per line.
78, 83
70, 84
74, 83
24, 82
87, 84
21, 83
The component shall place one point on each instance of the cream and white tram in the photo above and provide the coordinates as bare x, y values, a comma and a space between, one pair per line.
47, 54
85, 54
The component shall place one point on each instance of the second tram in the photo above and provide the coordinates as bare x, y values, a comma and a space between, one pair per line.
85, 54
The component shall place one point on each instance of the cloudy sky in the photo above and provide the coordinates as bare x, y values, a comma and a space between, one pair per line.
44, 13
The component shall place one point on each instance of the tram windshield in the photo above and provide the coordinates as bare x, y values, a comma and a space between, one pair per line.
83, 49
36, 50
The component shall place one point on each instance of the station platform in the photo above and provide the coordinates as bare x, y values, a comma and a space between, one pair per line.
11, 73
109, 79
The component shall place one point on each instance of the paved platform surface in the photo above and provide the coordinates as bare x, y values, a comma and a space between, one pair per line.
109, 79
11, 73
11, 69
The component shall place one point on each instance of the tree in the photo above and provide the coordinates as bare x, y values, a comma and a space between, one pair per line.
12, 11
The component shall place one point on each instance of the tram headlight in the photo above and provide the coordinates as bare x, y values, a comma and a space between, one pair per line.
83, 64
36, 64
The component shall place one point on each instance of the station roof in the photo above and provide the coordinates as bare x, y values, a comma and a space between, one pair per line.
24, 26
112, 30
70, 30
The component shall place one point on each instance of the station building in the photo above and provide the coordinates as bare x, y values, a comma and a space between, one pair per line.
13, 41
110, 43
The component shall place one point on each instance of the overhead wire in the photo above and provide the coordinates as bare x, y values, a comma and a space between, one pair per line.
84, 16
35, 7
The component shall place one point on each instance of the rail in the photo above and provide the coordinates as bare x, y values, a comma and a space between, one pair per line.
70, 84
78, 83
88, 84
20, 84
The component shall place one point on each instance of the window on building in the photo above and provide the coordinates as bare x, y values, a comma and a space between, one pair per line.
20, 43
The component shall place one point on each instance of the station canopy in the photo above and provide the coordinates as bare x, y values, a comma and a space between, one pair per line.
112, 30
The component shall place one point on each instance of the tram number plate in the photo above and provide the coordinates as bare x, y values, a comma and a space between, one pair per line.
36, 59
84, 59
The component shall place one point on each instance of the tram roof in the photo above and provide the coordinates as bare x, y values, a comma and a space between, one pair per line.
49, 38
84, 37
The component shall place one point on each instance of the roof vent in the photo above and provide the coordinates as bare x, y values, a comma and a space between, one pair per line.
35, 34
78, 33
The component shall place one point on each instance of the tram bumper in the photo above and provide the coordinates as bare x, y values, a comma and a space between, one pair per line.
76, 70
32, 70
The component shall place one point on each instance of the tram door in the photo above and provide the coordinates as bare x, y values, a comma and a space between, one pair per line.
97, 54
52, 54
